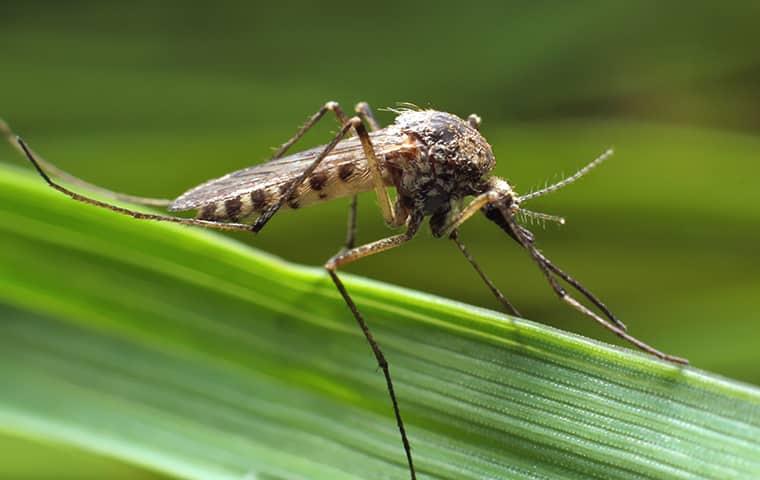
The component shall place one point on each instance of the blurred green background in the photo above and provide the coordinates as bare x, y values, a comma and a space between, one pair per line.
152, 98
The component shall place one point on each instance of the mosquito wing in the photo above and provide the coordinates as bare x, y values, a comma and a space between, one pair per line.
343, 172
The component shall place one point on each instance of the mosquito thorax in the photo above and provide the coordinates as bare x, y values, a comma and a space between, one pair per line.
452, 161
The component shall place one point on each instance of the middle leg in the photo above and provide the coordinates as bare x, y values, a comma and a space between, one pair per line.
352, 123
327, 107
369, 152
491, 286
352, 255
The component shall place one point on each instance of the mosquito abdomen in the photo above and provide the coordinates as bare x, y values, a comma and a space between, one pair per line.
322, 185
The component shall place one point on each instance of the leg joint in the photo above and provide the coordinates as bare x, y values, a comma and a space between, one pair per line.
355, 122
335, 108
361, 107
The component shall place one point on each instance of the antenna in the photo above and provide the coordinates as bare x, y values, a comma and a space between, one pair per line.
542, 216
567, 181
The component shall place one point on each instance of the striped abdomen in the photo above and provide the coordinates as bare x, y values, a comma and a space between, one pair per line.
326, 183
243, 194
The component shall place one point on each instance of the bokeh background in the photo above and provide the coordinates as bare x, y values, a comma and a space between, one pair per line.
154, 97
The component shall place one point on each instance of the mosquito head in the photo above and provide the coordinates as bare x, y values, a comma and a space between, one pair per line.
502, 198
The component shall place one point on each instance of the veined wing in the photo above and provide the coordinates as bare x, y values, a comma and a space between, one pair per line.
342, 172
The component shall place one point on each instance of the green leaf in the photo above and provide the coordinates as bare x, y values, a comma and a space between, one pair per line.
191, 354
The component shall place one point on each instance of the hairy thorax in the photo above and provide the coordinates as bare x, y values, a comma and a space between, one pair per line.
445, 160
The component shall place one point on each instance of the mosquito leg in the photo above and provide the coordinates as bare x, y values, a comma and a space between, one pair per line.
342, 119
69, 178
471, 209
353, 122
125, 211
327, 107
494, 289
344, 258
583, 290
351, 227
493, 213
335, 108
565, 297
365, 113
377, 177
372, 161
356, 253
374, 165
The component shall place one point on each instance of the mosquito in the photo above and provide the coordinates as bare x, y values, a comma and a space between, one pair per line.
440, 167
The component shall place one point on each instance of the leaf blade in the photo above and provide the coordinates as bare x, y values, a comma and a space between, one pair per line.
199, 357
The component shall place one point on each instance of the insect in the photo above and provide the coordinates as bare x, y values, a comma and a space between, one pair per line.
440, 167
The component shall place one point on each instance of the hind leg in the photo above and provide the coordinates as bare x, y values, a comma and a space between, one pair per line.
125, 211
345, 257
6, 131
